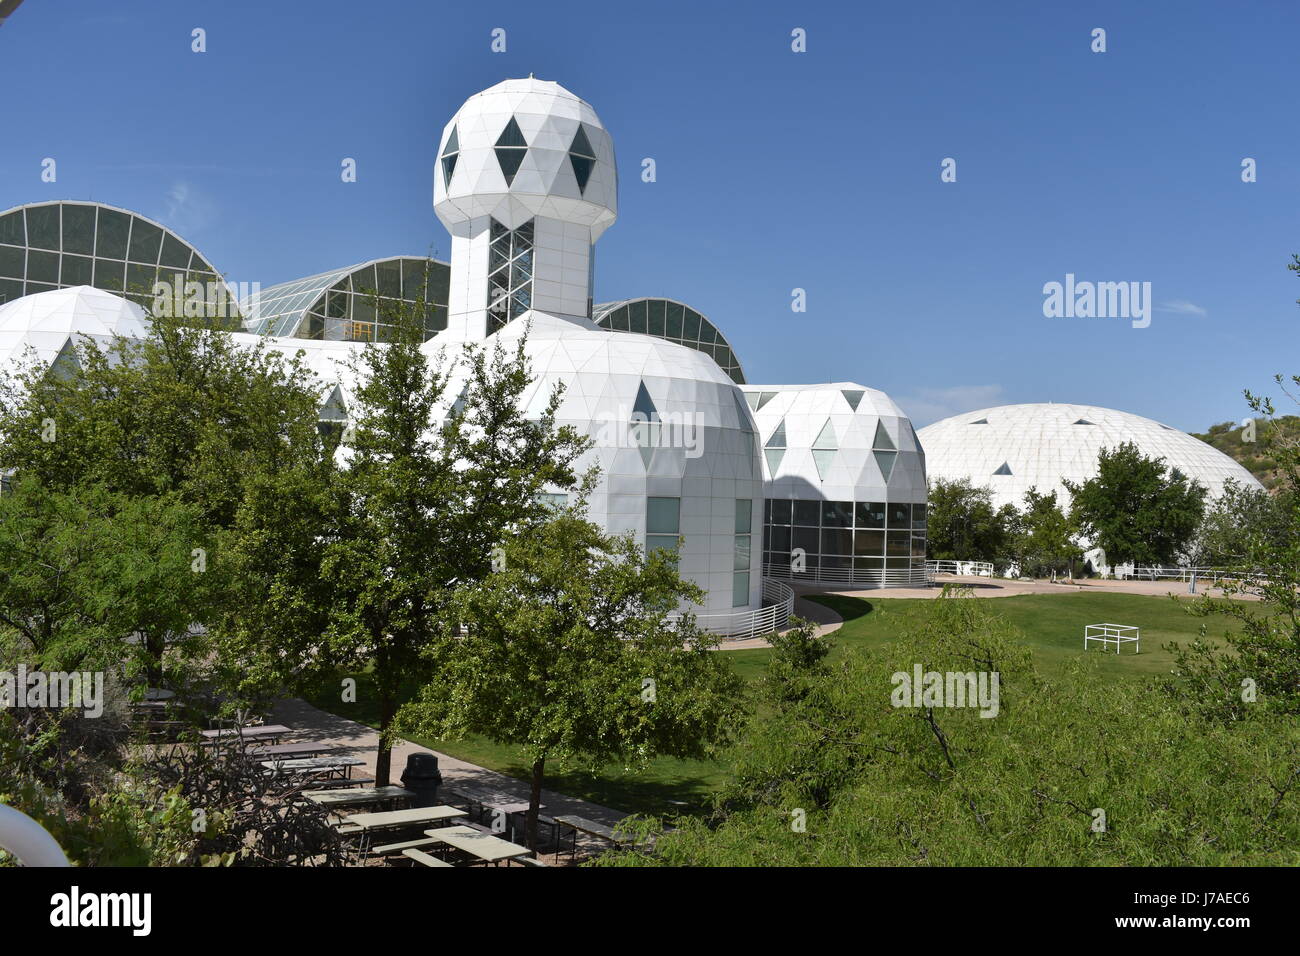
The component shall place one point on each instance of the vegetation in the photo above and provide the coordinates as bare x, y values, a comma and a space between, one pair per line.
569, 653
1137, 510
1044, 540
963, 525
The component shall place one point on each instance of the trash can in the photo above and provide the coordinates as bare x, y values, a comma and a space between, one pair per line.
422, 777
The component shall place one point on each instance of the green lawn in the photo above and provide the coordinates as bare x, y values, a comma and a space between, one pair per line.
1053, 627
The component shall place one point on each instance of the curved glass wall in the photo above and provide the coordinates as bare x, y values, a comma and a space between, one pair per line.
56, 245
673, 321
341, 305
869, 543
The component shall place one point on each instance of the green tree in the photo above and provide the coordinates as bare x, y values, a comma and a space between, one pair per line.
1135, 509
355, 563
963, 525
1239, 523
569, 653
1044, 539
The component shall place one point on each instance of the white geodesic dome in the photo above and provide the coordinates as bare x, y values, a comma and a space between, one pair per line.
46, 322
1013, 448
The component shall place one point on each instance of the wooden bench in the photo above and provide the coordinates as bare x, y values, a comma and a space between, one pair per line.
420, 858
336, 783
529, 861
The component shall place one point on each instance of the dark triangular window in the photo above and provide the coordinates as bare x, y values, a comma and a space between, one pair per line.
778, 437
982, 421
644, 405
581, 145
510, 150
1005, 469
883, 441
1083, 421
583, 158
449, 156
512, 136
853, 397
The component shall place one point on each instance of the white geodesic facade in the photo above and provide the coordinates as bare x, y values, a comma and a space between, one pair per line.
673, 440
1012, 448
846, 485
43, 325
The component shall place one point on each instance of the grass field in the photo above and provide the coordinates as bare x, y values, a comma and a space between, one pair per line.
1053, 628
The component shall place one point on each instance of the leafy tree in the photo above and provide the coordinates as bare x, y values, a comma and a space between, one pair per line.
182, 410
1135, 509
963, 525
568, 652
355, 562
85, 568
1044, 539
1238, 523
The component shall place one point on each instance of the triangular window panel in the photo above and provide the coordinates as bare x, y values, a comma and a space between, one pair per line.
885, 462
448, 167
773, 456
582, 167
453, 144
853, 397
826, 438
647, 452
512, 135
1004, 469
882, 438
778, 437
742, 414
66, 364
1084, 421
982, 421
751, 399
764, 398
334, 409
509, 160
644, 406
581, 145
823, 458
458, 406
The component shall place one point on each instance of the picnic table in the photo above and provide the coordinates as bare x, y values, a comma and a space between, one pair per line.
368, 823
158, 694
359, 798
272, 732
290, 750
504, 803
329, 766
592, 828
484, 846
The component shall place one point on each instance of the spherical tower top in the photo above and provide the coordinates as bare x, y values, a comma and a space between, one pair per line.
526, 148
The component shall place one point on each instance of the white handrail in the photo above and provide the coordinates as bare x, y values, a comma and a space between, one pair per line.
741, 625
27, 840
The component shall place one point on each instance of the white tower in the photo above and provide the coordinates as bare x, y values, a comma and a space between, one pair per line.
525, 183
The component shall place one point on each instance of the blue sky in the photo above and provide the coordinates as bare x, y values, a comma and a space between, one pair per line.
776, 170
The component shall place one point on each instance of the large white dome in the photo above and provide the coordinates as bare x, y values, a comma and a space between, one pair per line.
46, 321
1013, 448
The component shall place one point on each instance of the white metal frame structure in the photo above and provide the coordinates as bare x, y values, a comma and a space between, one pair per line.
1117, 634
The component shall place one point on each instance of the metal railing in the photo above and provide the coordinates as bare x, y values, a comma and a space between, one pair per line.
778, 601
1153, 572
916, 576
983, 569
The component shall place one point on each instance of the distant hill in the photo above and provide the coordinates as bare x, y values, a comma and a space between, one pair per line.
1254, 457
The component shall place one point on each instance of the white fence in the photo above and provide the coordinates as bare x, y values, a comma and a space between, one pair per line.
778, 601
1145, 572
914, 577
983, 569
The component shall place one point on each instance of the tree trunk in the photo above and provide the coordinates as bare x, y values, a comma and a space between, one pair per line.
535, 801
384, 757
155, 647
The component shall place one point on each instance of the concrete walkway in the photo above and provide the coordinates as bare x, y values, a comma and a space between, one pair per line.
348, 738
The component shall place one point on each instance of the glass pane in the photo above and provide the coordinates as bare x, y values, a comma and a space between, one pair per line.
175, 253
807, 513
43, 227
870, 514
10, 289
899, 543
778, 538
741, 562
744, 515
146, 240
79, 229
662, 515
781, 510
869, 542
109, 273
77, 270
660, 542
807, 538
111, 235
740, 589
11, 229
837, 541
42, 266
918, 517
12, 261
837, 514
900, 515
